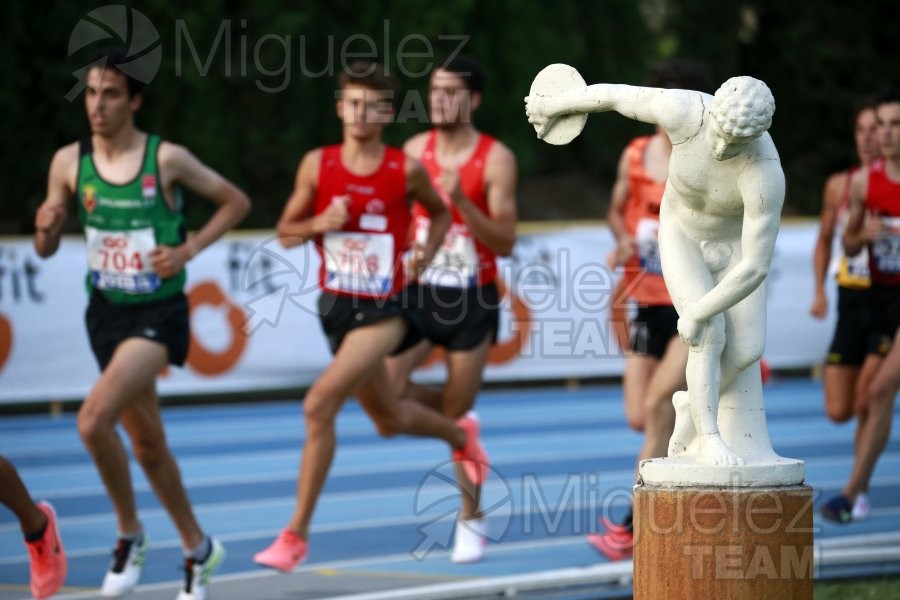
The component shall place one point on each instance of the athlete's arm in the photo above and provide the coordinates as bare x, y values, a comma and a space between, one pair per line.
418, 186
179, 166
298, 223
615, 217
831, 199
51, 214
496, 230
860, 230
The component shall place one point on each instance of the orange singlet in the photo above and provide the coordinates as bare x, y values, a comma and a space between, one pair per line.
642, 279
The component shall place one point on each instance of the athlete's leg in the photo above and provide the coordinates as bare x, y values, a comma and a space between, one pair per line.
871, 365
465, 370
639, 369
401, 366
880, 396
132, 370
143, 423
14, 496
839, 382
361, 352
668, 378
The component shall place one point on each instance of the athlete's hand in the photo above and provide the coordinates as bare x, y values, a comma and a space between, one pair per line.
416, 262
819, 306
873, 228
168, 261
334, 216
623, 252
49, 218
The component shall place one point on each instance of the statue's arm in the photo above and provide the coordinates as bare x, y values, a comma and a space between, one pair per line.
678, 112
762, 191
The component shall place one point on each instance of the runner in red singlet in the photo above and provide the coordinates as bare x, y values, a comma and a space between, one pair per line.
875, 190
458, 302
353, 200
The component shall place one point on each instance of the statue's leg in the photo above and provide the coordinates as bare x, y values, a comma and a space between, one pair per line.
684, 432
688, 278
742, 417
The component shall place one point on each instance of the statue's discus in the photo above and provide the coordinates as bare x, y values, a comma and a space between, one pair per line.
551, 81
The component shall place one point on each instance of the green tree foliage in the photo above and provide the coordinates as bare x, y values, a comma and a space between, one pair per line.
249, 86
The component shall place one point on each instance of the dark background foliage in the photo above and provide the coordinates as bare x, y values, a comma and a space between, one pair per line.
251, 103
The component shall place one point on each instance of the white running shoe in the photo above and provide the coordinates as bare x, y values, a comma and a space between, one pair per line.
197, 574
861, 507
125, 570
469, 541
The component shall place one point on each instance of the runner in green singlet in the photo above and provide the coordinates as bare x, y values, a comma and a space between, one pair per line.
126, 183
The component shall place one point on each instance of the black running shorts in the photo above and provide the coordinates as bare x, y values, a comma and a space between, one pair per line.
855, 335
885, 303
456, 318
652, 329
339, 314
165, 321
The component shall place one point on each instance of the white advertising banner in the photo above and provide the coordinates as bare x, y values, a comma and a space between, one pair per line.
255, 325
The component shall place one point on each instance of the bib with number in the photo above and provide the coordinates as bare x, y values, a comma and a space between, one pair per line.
455, 264
120, 260
853, 271
359, 263
647, 240
886, 249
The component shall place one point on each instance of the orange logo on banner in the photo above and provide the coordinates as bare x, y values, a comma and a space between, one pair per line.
200, 359
503, 351
6, 340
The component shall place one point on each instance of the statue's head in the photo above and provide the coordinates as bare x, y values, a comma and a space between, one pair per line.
743, 107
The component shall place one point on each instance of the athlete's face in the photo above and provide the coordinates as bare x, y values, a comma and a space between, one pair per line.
450, 101
364, 111
866, 136
109, 108
888, 119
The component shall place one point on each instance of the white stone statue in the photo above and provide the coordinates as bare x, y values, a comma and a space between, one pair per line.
719, 219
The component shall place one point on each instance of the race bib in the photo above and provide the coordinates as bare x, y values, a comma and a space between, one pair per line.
359, 262
854, 269
647, 240
886, 249
120, 260
455, 264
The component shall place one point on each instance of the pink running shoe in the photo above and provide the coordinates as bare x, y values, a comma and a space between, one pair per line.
611, 526
285, 554
48, 559
614, 544
472, 456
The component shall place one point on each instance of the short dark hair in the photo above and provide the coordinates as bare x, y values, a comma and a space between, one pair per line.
889, 97
681, 74
115, 58
466, 68
862, 105
371, 75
